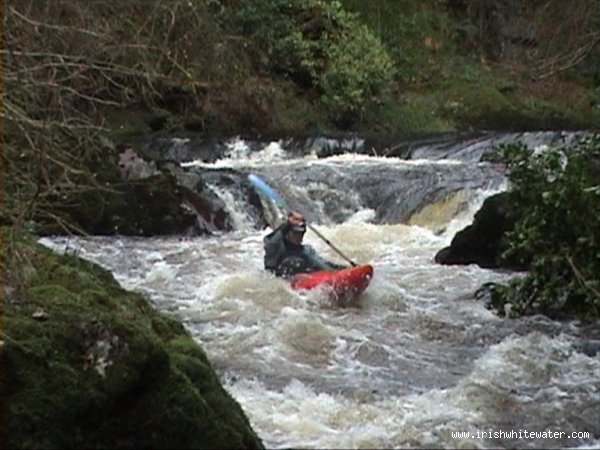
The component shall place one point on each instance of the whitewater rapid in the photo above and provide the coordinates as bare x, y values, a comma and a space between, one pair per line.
416, 362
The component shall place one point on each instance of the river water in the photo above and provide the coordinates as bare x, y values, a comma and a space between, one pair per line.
416, 361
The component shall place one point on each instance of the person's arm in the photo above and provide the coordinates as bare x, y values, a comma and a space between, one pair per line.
274, 246
316, 262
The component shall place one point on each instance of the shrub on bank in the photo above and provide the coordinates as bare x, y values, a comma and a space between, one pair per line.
322, 48
557, 192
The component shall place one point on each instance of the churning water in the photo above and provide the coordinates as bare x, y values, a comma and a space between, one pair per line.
413, 364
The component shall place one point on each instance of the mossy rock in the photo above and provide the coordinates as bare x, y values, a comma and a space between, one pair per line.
86, 364
147, 207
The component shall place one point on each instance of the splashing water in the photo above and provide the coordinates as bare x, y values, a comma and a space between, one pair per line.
415, 363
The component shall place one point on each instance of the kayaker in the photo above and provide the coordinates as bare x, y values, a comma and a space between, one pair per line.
285, 255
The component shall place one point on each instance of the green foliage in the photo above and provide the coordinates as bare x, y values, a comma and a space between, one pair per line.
321, 47
421, 39
557, 191
358, 74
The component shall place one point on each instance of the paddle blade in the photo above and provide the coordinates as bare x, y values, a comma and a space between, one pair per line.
266, 190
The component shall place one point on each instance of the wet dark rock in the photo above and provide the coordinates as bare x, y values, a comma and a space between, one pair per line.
395, 192
590, 348
146, 207
153, 194
189, 146
588, 339
181, 148
160, 197
462, 146
133, 167
201, 188
485, 294
386, 145
478, 146
372, 354
484, 241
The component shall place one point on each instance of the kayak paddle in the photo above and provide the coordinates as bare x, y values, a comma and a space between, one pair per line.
271, 193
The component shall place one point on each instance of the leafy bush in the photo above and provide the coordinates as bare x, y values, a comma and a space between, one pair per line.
558, 193
319, 46
347, 85
419, 37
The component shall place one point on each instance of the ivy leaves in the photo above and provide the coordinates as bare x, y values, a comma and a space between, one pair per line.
557, 192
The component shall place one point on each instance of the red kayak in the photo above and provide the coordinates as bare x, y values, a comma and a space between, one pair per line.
346, 284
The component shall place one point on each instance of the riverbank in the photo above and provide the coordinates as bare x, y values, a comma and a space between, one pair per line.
86, 364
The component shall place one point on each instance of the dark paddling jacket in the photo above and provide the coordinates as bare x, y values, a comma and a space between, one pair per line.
285, 259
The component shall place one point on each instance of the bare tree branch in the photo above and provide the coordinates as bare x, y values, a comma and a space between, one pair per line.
58, 27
